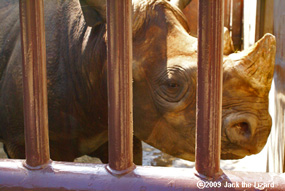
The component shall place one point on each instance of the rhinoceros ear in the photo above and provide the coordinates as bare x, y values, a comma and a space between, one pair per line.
94, 11
228, 42
181, 4
256, 64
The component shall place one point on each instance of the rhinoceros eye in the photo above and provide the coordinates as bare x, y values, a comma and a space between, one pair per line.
173, 86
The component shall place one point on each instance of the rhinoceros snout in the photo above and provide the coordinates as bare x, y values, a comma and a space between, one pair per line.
240, 130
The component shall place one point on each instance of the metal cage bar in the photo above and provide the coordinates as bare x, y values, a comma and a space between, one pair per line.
82, 177
34, 82
209, 91
120, 93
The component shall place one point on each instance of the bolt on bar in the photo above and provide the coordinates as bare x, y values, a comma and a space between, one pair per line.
209, 91
120, 95
34, 83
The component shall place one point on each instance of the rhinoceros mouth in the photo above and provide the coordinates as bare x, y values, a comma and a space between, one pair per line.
234, 151
236, 154
231, 156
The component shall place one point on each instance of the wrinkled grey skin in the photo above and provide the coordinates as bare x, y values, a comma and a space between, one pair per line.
164, 74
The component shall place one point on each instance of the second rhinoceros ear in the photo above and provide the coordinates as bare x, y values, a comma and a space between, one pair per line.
228, 42
94, 11
256, 64
181, 4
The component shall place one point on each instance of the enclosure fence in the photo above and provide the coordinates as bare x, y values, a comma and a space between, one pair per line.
39, 172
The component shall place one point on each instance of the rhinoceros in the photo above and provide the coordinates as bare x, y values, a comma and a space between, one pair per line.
164, 82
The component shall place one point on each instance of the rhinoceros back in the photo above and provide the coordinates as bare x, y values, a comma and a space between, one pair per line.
70, 88
9, 31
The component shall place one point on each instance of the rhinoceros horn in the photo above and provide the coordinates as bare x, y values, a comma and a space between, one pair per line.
256, 64
181, 4
94, 11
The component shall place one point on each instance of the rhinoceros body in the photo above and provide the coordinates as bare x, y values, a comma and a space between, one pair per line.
164, 81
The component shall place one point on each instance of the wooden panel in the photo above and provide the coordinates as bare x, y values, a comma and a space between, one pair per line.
237, 23
227, 13
268, 19
249, 21
264, 18
276, 144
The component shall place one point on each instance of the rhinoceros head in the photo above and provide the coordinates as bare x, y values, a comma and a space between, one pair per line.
164, 81
247, 81
165, 71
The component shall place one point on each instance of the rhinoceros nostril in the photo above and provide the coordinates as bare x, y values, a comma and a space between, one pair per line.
242, 129
239, 133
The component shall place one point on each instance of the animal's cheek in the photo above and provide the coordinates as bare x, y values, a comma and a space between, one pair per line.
183, 121
138, 71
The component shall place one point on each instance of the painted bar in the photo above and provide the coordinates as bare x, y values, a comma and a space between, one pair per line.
76, 176
120, 94
209, 91
34, 83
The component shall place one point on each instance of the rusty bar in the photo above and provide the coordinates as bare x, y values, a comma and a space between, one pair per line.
237, 24
76, 176
34, 83
120, 94
209, 91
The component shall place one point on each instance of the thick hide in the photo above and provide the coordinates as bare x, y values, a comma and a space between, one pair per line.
164, 82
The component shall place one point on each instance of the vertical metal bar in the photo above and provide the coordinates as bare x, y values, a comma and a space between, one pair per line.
34, 83
209, 91
120, 95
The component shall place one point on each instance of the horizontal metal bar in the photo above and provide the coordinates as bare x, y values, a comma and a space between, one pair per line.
78, 176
